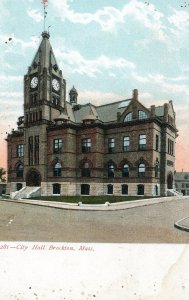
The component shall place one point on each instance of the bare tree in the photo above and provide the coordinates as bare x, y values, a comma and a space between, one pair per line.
2, 174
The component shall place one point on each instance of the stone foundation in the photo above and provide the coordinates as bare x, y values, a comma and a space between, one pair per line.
99, 189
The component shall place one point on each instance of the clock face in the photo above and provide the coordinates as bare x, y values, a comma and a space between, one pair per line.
55, 84
34, 82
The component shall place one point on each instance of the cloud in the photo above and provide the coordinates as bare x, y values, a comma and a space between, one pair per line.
98, 97
168, 86
139, 78
35, 15
108, 17
180, 20
76, 63
5, 12
17, 45
8, 78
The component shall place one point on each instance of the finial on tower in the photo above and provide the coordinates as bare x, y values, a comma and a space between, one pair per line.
45, 34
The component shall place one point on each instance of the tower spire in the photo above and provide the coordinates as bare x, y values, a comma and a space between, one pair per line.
45, 4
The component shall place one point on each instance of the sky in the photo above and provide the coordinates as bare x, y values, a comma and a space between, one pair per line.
105, 48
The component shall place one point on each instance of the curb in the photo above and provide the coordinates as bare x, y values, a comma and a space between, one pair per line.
180, 226
112, 207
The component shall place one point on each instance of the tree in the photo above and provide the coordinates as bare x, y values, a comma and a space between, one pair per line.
2, 174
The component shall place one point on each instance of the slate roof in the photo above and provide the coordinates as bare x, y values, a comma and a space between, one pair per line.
44, 55
104, 113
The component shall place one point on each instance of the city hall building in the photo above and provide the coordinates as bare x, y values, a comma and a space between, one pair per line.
63, 147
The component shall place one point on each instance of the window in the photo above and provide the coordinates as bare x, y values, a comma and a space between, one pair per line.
124, 189
126, 143
186, 176
140, 189
56, 188
110, 189
142, 115
19, 171
30, 150
156, 171
170, 147
36, 149
57, 145
86, 145
111, 145
111, 171
125, 171
142, 142
128, 117
157, 142
85, 189
19, 186
85, 171
141, 170
57, 169
183, 185
55, 100
20, 150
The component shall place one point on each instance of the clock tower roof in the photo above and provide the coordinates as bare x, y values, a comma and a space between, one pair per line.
44, 57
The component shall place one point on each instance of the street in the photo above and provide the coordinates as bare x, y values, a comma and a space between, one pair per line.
146, 224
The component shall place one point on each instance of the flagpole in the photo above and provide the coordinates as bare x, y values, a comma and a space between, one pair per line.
44, 17
45, 3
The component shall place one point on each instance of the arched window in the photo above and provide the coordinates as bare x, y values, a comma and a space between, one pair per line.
19, 171
128, 117
125, 171
111, 170
57, 169
141, 170
124, 189
110, 189
142, 115
85, 171
56, 188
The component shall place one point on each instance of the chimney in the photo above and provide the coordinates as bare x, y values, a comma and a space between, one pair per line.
135, 94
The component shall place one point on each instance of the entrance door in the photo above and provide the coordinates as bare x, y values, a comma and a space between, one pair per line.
170, 181
33, 178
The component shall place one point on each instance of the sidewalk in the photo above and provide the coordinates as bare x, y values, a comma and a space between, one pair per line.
96, 207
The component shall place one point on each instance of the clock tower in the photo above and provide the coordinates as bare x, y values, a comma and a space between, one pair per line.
44, 86
44, 101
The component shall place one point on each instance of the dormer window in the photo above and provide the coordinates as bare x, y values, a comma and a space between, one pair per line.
142, 115
128, 117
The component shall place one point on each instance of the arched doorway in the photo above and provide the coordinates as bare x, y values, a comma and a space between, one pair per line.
170, 181
33, 178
